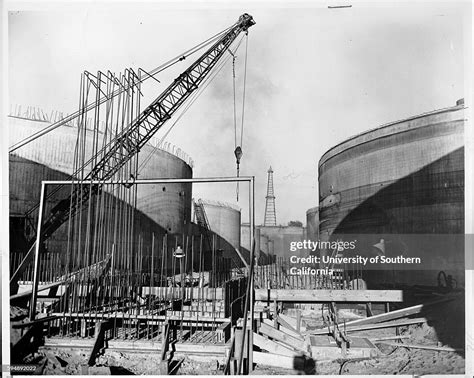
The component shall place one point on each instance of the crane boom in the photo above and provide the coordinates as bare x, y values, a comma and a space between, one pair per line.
129, 142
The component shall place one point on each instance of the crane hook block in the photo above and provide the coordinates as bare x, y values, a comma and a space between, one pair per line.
246, 21
238, 153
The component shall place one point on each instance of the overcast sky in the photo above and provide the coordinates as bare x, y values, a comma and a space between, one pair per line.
315, 76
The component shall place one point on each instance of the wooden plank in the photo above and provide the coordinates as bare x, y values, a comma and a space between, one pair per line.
298, 320
40, 289
99, 340
201, 348
284, 330
284, 362
368, 309
46, 319
291, 341
239, 340
138, 345
397, 313
229, 355
287, 327
69, 342
282, 326
126, 316
350, 296
373, 326
288, 319
272, 346
427, 347
389, 338
274, 360
223, 331
275, 313
165, 340
83, 327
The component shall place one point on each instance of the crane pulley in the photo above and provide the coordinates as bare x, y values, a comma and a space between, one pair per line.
238, 155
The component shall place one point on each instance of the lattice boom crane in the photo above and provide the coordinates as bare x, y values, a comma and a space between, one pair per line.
134, 137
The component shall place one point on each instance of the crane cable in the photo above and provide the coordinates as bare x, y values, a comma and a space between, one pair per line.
235, 106
238, 148
245, 84
191, 101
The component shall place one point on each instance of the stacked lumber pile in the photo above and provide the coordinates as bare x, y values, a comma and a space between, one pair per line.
282, 344
390, 319
285, 342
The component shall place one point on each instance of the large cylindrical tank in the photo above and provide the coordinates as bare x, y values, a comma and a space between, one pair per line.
399, 189
312, 223
224, 220
25, 182
168, 205
51, 157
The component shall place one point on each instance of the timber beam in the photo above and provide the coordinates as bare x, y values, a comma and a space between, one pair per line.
133, 317
316, 296
138, 346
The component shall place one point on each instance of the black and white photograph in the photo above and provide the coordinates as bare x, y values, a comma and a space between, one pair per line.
237, 188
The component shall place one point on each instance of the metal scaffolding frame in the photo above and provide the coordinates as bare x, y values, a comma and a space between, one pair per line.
44, 184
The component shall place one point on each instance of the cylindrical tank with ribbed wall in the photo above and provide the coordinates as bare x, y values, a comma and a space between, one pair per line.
404, 183
224, 220
25, 178
168, 205
312, 223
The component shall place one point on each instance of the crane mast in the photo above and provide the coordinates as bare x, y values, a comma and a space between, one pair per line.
130, 141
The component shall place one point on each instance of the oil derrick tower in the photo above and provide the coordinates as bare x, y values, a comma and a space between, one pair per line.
270, 212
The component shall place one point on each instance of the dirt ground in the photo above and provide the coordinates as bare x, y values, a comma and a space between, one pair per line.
392, 360
74, 362
444, 327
